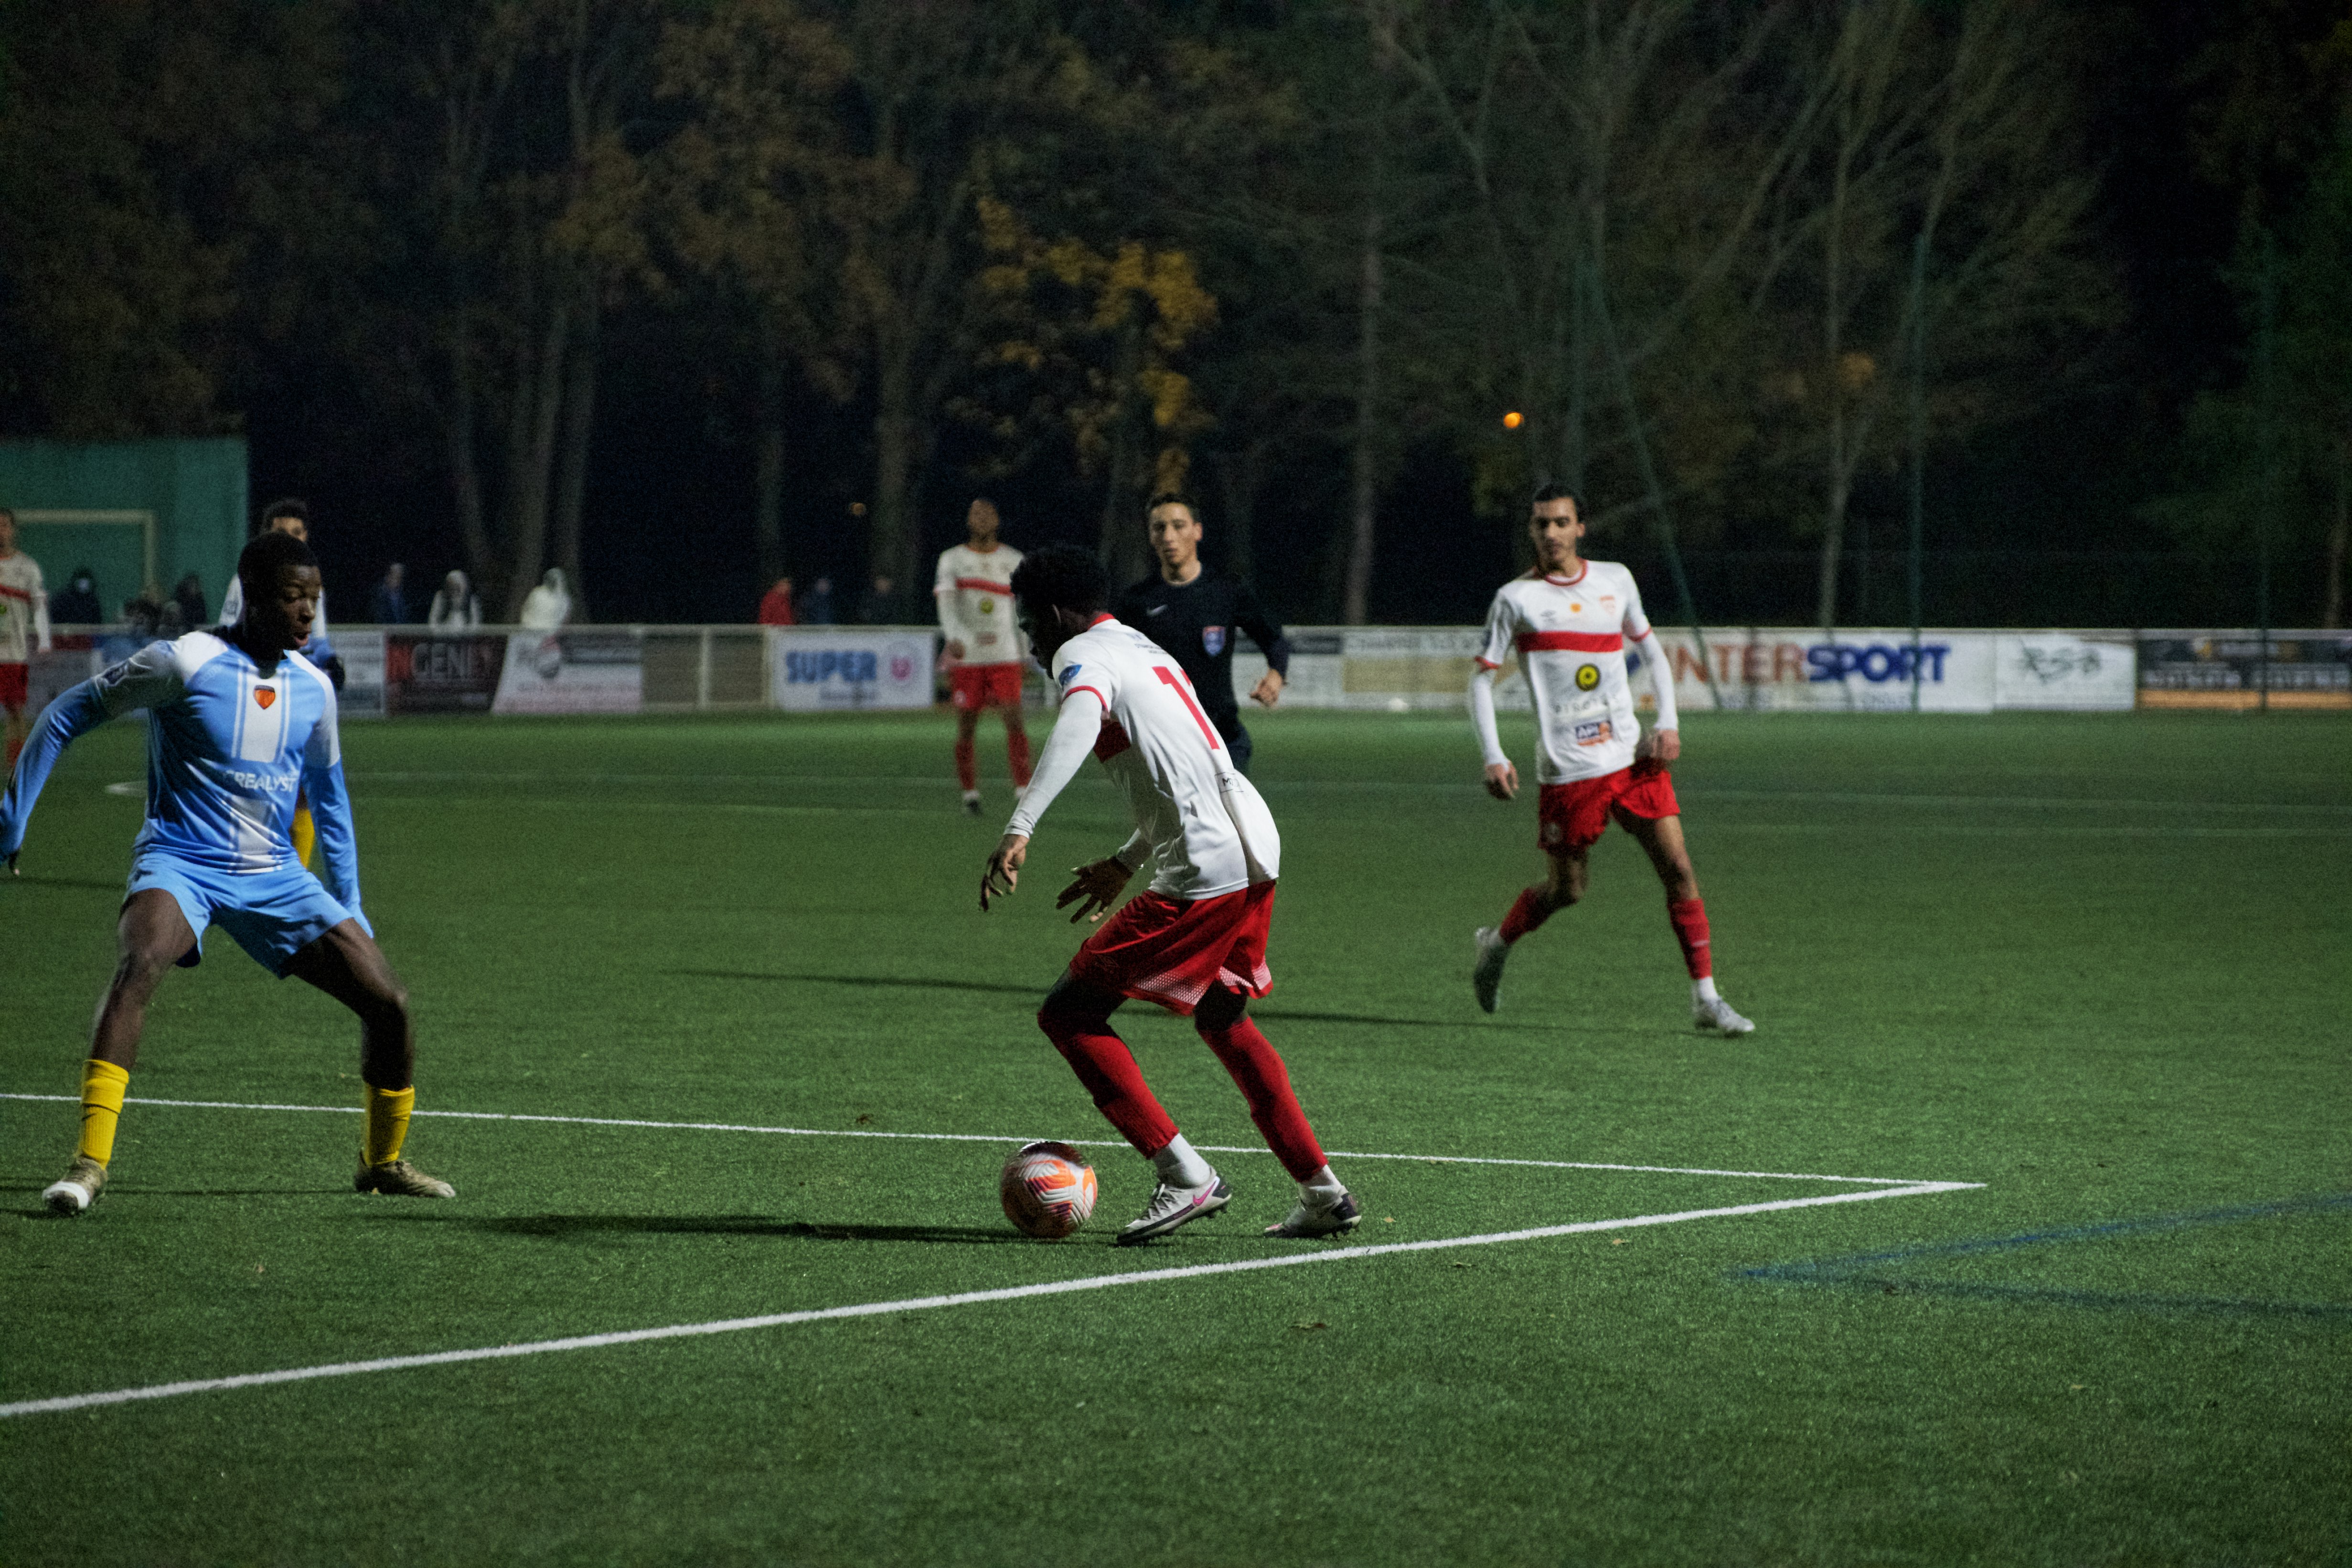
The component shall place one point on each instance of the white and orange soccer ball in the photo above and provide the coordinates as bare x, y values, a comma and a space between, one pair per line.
1048, 1189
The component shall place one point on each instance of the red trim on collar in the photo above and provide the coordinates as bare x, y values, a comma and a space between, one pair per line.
1559, 581
1100, 616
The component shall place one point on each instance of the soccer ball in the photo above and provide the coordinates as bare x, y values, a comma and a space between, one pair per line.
1048, 1189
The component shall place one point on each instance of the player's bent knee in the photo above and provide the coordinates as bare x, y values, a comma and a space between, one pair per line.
1073, 1005
1219, 1010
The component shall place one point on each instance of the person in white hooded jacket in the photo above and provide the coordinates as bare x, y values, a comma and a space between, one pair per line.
548, 606
456, 607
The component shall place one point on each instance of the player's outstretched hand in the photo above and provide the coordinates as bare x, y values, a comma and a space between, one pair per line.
1662, 746
1097, 888
1003, 872
1502, 780
1268, 690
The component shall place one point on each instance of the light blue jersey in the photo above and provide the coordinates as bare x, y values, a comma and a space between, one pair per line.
227, 753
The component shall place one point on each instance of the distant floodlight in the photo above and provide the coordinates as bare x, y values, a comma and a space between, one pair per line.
1514, 419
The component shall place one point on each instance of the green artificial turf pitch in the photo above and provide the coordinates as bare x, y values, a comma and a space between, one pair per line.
2096, 964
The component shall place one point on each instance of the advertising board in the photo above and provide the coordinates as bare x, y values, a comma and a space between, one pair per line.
2225, 669
1769, 670
819, 668
589, 671
362, 656
433, 672
2074, 671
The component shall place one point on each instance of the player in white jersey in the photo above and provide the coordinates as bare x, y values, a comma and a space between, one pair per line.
24, 624
973, 589
1195, 941
1570, 620
238, 723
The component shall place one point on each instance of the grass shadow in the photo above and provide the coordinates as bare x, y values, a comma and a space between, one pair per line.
561, 1226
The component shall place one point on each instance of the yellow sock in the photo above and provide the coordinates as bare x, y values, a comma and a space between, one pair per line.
388, 1111
103, 1085
306, 833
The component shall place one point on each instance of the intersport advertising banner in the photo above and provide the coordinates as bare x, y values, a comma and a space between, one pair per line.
821, 668
1770, 670
598, 671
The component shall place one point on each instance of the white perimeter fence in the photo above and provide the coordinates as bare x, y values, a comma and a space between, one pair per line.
396, 670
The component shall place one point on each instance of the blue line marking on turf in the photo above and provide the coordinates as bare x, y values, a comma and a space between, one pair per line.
1859, 1270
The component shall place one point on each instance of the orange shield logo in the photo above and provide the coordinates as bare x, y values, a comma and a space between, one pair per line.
265, 695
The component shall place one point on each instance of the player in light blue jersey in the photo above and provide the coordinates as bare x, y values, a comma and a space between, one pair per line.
239, 724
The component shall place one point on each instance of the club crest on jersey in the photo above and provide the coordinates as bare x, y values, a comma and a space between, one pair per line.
1213, 640
1592, 732
987, 605
265, 695
1587, 676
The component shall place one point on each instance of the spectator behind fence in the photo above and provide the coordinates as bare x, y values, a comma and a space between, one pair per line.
390, 605
142, 615
457, 608
881, 604
548, 606
776, 604
190, 598
817, 604
79, 605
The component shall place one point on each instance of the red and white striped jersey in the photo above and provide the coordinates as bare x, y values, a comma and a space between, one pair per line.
24, 609
974, 591
1204, 828
1569, 633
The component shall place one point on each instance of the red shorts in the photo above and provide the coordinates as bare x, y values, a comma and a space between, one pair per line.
975, 686
13, 685
1172, 950
1573, 816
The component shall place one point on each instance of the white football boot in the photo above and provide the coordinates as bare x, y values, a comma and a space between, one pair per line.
1714, 1016
1173, 1206
77, 1189
1310, 1218
1487, 974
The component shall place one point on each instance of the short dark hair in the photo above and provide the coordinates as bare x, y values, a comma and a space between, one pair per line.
9, 513
1061, 576
287, 508
1554, 493
1173, 498
267, 554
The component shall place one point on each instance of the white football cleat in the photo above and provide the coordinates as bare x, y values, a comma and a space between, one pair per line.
77, 1189
1310, 1219
1173, 1206
1716, 1017
1487, 974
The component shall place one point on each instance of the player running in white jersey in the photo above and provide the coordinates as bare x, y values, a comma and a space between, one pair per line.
1570, 619
24, 624
973, 589
1195, 942
238, 722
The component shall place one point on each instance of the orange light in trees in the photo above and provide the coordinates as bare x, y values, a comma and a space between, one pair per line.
1513, 420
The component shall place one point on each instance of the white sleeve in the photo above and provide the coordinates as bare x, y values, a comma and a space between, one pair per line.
1502, 627
319, 617
1076, 731
943, 593
1661, 678
1482, 717
40, 613
233, 601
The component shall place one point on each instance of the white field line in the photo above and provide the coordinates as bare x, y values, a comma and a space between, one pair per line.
926, 1303
991, 1138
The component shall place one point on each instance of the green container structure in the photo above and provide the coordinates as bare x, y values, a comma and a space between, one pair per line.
138, 514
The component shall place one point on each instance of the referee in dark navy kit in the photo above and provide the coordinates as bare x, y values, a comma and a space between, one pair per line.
1193, 613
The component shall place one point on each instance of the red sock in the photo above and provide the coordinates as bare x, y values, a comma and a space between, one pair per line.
967, 762
1107, 1069
1528, 913
1016, 751
1690, 929
1266, 1085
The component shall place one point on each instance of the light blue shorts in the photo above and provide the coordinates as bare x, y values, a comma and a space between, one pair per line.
272, 915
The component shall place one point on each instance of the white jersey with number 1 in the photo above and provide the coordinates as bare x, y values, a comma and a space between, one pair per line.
1198, 821
1570, 632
